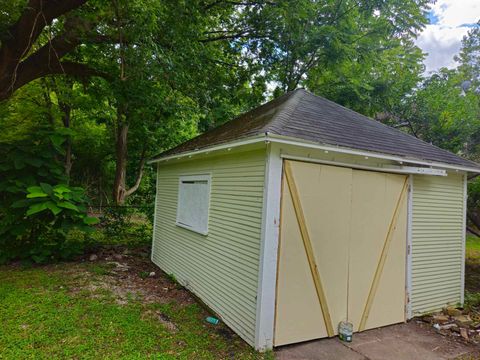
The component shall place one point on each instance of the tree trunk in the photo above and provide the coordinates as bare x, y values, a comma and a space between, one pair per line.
67, 111
63, 97
139, 173
119, 185
48, 101
474, 218
120, 191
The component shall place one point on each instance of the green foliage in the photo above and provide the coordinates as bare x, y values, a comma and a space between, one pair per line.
469, 58
115, 221
121, 225
143, 274
472, 301
360, 54
442, 115
39, 214
11, 10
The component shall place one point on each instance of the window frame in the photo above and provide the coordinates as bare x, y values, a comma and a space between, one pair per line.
195, 177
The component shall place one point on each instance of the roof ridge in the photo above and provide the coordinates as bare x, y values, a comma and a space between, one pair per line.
286, 109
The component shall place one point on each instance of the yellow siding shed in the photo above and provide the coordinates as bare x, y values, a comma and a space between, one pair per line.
222, 266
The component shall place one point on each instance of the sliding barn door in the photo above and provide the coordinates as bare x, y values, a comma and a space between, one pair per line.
342, 251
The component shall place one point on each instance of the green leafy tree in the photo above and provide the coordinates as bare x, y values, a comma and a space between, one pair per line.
440, 112
469, 82
358, 53
469, 59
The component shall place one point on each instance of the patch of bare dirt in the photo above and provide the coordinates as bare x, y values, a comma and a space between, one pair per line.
162, 318
127, 275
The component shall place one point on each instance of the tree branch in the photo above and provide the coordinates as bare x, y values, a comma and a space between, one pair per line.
29, 72
231, 36
473, 231
17, 42
237, 3
400, 122
139, 174
38, 14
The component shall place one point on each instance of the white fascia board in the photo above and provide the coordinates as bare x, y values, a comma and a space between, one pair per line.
306, 144
226, 146
383, 168
423, 171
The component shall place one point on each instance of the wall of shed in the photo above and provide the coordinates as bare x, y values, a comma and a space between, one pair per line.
221, 268
437, 242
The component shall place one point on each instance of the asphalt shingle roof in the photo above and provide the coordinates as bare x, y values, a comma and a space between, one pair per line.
302, 115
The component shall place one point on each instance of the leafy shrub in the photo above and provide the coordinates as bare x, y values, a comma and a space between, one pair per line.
115, 221
123, 226
40, 216
472, 301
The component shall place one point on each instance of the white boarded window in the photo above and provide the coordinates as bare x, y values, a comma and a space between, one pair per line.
193, 202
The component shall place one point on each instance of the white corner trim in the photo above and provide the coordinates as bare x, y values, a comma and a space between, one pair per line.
155, 214
464, 238
409, 248
265, 316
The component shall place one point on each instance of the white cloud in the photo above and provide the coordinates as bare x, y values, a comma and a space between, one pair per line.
441, 44
442, 39
453, 13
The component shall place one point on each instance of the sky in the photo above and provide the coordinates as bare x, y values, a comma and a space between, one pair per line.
450, 20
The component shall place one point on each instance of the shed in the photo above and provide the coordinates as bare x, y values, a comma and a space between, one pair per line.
302, 213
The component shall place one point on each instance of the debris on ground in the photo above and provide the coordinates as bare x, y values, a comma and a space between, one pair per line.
163, 319
455, 322
119, 271
212, 320
453, 311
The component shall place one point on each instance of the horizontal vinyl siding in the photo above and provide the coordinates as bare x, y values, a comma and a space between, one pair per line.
437, 242
222, 267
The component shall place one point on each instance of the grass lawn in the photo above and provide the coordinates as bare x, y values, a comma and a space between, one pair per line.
473, 247
106, 310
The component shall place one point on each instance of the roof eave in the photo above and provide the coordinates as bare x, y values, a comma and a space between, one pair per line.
281, 139
228, 145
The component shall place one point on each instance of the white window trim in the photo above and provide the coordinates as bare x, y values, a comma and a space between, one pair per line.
200, 177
